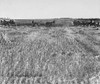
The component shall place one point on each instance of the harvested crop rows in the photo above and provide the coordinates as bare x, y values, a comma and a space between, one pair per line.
59, 55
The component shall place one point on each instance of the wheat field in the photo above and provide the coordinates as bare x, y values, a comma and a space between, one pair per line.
54, 55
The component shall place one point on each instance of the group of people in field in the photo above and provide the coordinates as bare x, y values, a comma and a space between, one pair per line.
33, 23
47, 24
7, 22
91, 22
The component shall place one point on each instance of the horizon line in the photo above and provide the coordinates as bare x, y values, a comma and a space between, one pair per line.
52, 18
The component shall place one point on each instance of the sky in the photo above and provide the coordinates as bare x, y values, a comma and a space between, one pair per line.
43, 9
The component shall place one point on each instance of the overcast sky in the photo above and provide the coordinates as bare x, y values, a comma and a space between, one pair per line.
32, 9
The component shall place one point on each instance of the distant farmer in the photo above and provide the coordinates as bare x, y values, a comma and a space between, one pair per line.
48, 24
33, 23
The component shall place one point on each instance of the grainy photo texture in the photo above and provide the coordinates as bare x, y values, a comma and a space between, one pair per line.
49, 41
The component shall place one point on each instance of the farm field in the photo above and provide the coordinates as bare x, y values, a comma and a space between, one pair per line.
66, 54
